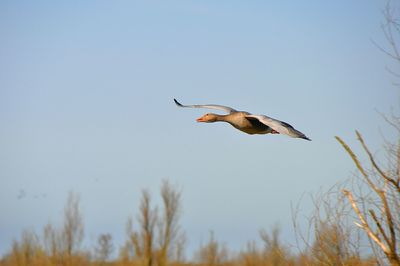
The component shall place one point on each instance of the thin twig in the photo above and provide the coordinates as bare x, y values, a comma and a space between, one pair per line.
364, 225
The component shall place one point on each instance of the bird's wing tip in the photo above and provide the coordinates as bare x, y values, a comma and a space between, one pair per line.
178, 103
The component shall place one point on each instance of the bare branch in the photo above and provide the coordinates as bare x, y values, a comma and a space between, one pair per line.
379, 225
375, 165
364, 225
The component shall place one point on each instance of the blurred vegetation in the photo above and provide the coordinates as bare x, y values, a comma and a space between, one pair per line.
155, 238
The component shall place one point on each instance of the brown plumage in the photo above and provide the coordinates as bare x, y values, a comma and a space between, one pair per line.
246, 122
239, 121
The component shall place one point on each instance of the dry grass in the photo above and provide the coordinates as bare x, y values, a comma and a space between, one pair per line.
146, 246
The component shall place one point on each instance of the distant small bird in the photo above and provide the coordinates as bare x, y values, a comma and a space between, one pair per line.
21, 194
246, 122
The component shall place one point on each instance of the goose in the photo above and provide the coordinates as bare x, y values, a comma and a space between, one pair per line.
245, 121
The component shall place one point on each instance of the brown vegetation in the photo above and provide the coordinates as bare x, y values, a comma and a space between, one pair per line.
378, 211
155, 238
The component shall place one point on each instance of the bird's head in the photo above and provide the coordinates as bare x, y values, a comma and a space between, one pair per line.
208, 118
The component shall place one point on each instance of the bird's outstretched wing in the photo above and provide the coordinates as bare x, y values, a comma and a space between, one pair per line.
208, 106
279, 126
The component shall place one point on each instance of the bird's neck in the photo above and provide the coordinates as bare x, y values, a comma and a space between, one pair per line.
221, 118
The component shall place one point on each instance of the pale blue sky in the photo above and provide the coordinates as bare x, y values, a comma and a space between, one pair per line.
86, 91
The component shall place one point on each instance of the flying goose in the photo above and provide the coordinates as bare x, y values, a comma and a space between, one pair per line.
246, 122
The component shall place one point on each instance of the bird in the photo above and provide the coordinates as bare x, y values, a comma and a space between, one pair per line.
21, 194
246, 122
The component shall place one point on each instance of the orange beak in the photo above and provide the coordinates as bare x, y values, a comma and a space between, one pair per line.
200, 119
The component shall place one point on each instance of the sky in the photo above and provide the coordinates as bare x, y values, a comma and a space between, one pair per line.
86, 105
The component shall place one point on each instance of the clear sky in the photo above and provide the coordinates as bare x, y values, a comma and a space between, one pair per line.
86, 105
